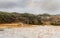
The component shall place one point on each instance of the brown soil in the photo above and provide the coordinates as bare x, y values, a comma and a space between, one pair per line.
16, 25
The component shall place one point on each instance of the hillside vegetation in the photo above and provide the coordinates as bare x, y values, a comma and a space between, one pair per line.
26, 18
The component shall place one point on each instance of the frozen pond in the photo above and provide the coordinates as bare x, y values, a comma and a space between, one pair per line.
33, 32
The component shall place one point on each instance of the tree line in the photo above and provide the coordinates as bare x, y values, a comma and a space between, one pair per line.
6, 17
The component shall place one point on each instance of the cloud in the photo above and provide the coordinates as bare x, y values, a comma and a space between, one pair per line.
45, 5
50, 5
7, 5
32, 6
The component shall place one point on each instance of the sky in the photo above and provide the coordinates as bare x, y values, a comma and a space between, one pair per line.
31, 6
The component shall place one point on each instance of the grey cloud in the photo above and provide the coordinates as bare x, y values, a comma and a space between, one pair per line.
7, 5
45, 5
32, 5
12, 4
50, 5
23, 3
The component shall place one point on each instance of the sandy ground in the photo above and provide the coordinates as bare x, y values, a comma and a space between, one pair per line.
32, 32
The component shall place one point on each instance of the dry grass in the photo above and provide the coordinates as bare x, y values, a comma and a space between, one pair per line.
16, 25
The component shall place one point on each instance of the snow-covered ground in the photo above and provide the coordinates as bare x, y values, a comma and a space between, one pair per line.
33, 32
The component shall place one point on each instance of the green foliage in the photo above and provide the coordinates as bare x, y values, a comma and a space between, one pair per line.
6, 17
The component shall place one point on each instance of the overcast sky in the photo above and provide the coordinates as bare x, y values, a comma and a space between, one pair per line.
31, 6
